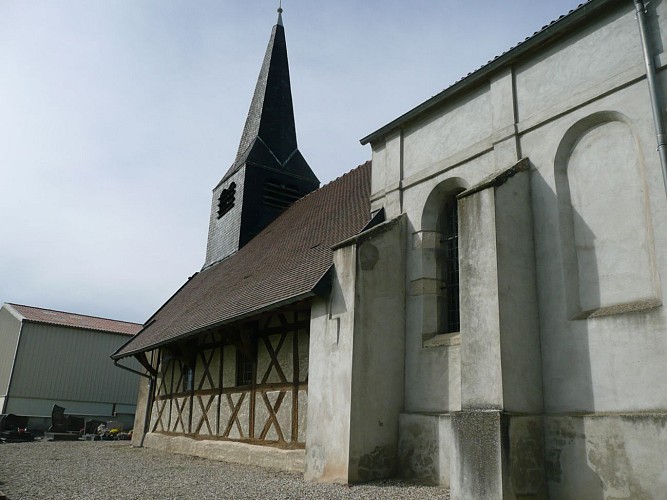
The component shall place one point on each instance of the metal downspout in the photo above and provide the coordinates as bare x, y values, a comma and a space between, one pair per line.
149, 398
649, 60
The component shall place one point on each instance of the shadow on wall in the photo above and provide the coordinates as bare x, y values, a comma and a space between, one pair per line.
595, 258
567, 362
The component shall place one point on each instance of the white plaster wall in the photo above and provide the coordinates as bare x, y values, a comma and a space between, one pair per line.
143, 393
607, 363
606, 457
389, 156
452, 129
330, 385
425, 444
579, 63
378, 355
432, 374
481, 370
518, 308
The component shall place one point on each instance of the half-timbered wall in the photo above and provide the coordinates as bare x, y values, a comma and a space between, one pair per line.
200, 390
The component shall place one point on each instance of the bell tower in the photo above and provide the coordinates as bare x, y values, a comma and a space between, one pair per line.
269, 173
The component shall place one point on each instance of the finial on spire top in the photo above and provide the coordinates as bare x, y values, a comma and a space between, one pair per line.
280, 13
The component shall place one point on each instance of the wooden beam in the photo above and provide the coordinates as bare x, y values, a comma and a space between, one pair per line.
143, 361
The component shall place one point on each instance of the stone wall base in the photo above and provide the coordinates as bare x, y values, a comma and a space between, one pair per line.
493, 454
604, 456
228, 451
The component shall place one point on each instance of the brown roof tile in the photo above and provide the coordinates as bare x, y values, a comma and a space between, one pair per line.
282, 263
61, 318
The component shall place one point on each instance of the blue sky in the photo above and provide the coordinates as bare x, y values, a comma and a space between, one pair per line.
119, 117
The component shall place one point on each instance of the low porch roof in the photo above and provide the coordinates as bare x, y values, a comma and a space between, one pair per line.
284, 263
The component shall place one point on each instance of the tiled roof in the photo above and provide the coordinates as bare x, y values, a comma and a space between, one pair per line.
281, 264
61, 318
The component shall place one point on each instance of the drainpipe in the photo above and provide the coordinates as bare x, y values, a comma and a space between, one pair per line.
149, 398
649, 60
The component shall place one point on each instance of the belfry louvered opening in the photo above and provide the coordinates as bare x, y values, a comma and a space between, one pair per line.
279, 195
226, 200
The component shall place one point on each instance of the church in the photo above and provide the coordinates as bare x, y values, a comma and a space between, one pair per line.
479, 307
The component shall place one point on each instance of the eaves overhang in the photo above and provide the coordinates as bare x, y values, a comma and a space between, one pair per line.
548, 35
227, 321
321, 287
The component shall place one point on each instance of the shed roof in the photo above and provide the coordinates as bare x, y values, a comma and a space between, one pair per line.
282, 264
61, 318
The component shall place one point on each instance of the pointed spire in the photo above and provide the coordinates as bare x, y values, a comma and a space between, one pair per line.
269, 134
269, 172
271, 116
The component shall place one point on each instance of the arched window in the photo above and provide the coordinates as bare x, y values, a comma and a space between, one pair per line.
437, 284
448, 267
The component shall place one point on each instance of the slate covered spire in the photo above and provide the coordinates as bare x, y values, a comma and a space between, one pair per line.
269, 173
269, 134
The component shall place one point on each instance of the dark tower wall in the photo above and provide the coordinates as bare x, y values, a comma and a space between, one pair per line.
224, 232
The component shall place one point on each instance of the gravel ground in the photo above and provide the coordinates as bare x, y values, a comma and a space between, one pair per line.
115, 470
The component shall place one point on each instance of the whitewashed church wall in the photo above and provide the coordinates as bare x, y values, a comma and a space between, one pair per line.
589, 73
330, 375
517, 296
480, 308
432, 374
610, 456
385, 181
378, 355
452, 130
612, 360
580, 63
580, 112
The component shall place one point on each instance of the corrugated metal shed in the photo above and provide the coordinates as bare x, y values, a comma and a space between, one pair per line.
56, 362
49, 357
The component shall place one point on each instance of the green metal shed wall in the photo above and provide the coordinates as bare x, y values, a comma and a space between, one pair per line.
60, 364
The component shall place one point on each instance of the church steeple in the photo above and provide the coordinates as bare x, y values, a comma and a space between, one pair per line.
269, 172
